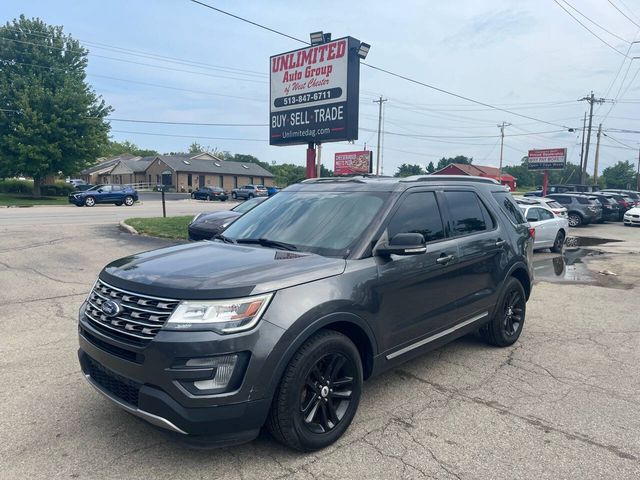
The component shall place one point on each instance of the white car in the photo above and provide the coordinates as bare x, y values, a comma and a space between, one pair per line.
550, 203
632, 217
550, 230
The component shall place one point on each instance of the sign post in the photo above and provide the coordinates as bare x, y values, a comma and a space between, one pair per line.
314, 95
545, 160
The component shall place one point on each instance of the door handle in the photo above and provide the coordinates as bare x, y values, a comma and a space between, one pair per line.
500, 243
444, 260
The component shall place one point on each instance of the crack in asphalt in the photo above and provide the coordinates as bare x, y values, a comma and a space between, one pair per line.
38, 272
21, 302
535, 422
33, 245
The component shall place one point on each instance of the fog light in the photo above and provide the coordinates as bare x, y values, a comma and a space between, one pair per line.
224, 367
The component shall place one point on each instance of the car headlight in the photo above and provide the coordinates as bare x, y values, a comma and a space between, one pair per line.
221, 316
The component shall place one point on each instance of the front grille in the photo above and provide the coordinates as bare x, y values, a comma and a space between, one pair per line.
140, 316
123, 388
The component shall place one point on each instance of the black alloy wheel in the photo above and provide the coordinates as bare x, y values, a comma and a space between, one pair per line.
327, 393
508, 319
558, 243
318, 394
513, 312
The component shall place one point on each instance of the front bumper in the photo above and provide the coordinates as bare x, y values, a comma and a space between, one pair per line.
76, 200
145, 382
632, 220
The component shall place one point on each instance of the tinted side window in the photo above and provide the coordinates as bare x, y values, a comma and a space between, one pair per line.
465, 213
563, 199
418, 213
509, 206
117, 188
532, 215
583, 200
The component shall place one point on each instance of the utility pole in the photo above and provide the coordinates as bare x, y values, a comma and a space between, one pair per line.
584, 127
591, 99
501, 126
638, 173
595, 163
319, 160
380, 102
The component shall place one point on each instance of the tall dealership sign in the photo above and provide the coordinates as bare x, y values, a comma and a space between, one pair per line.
545, 160
548, 159
314, 94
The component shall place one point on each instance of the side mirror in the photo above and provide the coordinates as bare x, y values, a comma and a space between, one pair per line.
403, 244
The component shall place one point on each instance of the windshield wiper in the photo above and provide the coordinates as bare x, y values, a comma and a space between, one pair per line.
265, 242
219, 236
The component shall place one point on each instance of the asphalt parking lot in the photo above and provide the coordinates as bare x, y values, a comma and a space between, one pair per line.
564, 402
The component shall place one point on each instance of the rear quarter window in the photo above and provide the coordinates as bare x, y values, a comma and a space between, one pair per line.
584, 200
509, 207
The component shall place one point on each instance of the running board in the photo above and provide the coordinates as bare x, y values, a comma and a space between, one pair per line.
435, 337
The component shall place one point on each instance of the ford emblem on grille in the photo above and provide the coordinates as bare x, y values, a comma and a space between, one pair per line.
110, 308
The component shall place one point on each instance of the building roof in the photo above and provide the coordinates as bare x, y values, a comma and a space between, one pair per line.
211, 164
476, 170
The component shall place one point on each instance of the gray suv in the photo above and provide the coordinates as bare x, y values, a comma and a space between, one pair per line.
580, 209
280, 320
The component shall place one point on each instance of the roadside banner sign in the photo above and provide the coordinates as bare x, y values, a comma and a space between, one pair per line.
314, 94
352, 163
548, 159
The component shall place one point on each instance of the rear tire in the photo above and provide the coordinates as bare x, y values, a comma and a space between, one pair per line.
318, 394
208, 199
558, 243
575, 220
250, 196
234, 196
506, 325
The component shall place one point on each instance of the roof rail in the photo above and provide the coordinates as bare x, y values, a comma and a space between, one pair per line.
357, 179
449, 178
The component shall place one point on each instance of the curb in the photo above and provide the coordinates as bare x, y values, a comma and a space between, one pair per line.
127, 228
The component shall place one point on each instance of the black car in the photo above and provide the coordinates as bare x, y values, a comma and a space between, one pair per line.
278, 321
116, 194
205, 225
210, 193
611, 211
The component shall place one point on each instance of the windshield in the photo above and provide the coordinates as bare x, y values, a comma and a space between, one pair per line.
327, 223
247, 205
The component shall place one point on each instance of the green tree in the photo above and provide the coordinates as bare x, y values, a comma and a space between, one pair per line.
195, 147
620, 175
51, 120
431, 168
406, 170
443, 162
114, 148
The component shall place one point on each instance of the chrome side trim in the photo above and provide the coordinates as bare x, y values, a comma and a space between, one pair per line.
430, 339
136, 294
149, 417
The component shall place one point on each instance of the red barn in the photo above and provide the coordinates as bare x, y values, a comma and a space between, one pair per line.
478, 171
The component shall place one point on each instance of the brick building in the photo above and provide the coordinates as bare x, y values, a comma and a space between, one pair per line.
478, 171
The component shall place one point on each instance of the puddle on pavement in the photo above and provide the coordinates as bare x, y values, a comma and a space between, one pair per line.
566, 268
588, 241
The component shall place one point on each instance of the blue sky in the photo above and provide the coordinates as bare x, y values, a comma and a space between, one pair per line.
527, 56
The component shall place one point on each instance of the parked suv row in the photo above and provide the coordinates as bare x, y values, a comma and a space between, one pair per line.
580, 209
279, 320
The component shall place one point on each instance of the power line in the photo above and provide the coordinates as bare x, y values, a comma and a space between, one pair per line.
618, 141
624, 14
163, 122
150, 55
594, 22
403, 77
589, 30
197, 137
133, 62
249, 21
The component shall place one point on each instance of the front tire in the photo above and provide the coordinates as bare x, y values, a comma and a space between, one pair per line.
506, 325
558, 243
575, 220
250, 196
89, 202
128, 200
318, 394
234, 196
